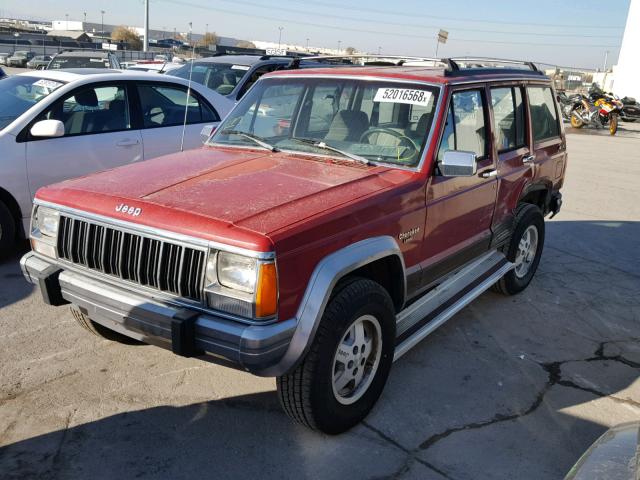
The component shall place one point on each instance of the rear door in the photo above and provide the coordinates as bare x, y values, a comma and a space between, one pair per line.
513, 147
161, 111
460, 209
98, 136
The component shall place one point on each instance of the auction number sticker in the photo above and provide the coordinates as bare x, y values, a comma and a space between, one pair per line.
48, 84
402, 95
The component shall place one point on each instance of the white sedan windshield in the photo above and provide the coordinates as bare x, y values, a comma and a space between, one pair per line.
19, 93
369, 121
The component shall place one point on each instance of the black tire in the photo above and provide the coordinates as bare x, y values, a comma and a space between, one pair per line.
526, 215
85, 322
306, 394
7, 228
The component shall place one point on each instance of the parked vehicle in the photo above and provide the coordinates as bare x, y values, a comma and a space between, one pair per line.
84, 59
20, 58
630, 110
60, 124
336, 218
568, 103
599, 110
39, 62
233, 75
614, 456
2, 74
157, 67
3, 58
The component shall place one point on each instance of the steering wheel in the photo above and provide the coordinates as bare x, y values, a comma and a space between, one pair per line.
413, 149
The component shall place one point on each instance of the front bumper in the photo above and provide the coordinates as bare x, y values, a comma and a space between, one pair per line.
258, 349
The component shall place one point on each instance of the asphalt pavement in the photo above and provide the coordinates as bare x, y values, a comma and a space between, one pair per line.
510, 388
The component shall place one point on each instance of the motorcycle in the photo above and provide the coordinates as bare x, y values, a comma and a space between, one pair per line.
568, 103
600, 110
630, 110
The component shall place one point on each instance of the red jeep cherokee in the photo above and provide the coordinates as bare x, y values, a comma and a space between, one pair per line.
336, 218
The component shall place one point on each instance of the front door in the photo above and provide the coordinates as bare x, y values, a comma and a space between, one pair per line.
98, 136
460, 209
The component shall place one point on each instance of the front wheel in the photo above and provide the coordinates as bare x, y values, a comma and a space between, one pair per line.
344, 373
613, 124
576, 121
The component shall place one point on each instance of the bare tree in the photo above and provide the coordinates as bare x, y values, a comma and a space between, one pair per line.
207, 39
128, 36
245, 44
350, 50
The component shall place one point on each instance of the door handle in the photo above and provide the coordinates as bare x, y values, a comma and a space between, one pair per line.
528, 159
489, 174
128, 143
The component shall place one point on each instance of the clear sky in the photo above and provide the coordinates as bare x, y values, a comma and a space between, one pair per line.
574, 33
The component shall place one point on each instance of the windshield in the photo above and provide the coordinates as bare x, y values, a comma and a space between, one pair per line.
220, 77
377, 121
78, 62
19, 93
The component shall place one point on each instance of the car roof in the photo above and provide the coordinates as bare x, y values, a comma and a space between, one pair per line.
427, 74
85, 53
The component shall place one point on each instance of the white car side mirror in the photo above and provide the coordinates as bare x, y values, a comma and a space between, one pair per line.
48, 129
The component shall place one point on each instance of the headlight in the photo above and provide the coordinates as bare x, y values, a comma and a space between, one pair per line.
237, 272
241, 285
46, 220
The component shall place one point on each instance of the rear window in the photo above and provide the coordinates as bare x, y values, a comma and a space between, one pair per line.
78, 62
544, 117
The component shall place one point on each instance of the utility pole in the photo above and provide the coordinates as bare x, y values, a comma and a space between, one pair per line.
66, 16
307, 44
606, 58
339, 46
85, 20
379, 50
145, 46
280, 37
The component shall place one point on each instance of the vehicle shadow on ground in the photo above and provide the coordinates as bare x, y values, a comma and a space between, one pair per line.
13, 286
465, 400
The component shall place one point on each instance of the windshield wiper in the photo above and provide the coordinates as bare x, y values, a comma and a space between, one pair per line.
323, 146
255, 138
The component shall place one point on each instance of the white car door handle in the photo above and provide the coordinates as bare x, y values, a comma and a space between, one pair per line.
128, 142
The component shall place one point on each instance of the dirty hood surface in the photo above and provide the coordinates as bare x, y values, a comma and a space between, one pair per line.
257, 191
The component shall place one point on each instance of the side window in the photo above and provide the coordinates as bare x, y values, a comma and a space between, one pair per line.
465, 128
508, 115
164, 106
255, 76
92, 110
544, 118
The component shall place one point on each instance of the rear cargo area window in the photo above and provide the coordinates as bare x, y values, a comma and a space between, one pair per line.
544, 118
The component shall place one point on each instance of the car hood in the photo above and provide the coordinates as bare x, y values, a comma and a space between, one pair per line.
212, 191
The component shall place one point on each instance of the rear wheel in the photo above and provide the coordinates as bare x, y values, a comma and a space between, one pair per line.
524, 249
342, 376
7, 228
85, 322
613, 124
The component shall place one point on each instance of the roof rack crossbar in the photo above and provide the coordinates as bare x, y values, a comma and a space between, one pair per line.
505, 61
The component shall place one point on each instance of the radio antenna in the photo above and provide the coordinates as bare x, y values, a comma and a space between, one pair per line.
186, 105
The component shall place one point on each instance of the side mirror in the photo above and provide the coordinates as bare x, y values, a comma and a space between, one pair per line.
48, 129
457, 163
206, 132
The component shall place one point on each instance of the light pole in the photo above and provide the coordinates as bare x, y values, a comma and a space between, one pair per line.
102, 12
190, 27
85, 19
44, 49
606, 57
66, 16
206, 29
379, 50
307, 44
280, 37
16, 47
145, 44
339, 46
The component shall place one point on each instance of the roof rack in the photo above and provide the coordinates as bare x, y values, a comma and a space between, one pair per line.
457, 66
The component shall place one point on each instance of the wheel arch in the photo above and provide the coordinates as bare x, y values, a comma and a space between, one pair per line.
537, 193
14, 208
371, 258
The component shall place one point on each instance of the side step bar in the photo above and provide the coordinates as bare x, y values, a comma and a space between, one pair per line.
425, 315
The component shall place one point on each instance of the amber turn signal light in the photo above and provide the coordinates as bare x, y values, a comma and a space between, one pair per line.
267, 291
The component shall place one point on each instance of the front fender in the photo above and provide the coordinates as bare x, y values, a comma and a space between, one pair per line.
324, 278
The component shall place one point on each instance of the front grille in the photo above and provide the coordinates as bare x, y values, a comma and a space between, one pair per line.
158, 264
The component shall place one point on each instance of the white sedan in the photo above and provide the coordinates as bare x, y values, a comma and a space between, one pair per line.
59, 124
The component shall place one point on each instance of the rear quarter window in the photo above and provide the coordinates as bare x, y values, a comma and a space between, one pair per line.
544, 117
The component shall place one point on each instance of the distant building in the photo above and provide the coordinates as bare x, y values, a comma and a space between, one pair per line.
627, 72
73, 35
